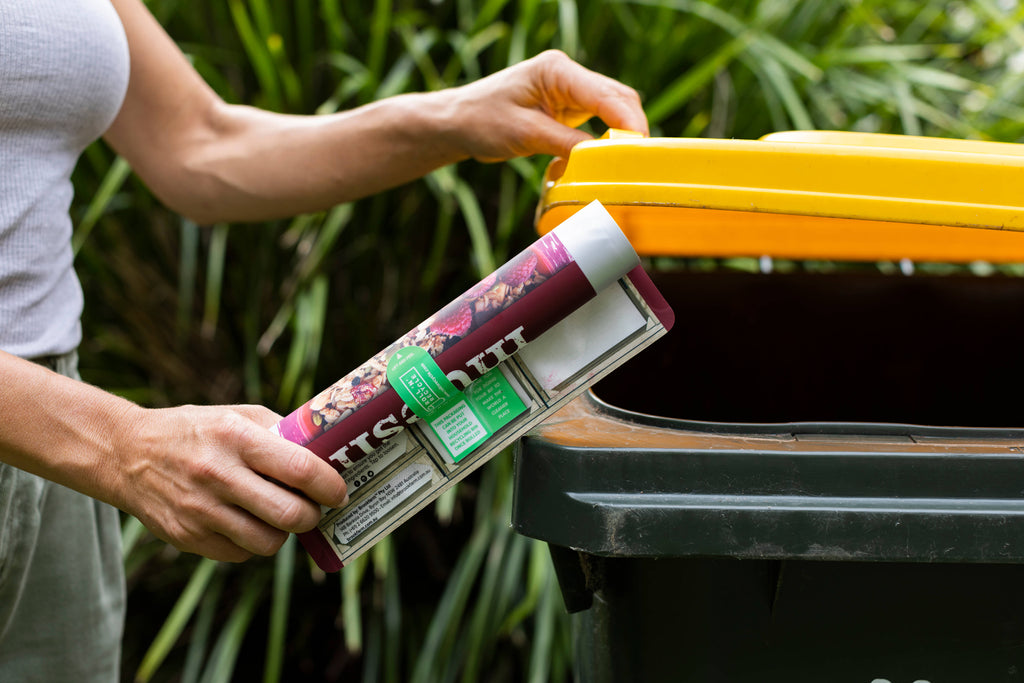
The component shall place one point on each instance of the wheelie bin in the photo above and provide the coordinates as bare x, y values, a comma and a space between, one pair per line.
818, 475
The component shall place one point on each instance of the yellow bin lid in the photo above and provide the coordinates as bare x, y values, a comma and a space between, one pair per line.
800, 195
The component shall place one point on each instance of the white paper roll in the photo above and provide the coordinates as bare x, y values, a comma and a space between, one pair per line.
598, 245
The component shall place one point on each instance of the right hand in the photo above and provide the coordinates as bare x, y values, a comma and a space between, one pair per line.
535, 107
216, 481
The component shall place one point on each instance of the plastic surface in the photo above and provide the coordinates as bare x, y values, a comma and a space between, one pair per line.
752, 621
596, 481
801, 195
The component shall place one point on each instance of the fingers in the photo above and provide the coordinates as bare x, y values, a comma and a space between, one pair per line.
535, 107
286, 463
216, 481
279, 482
226, 534
548, 136
235, 535
577, 93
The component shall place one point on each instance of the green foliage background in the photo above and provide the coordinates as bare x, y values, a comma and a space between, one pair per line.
271, 313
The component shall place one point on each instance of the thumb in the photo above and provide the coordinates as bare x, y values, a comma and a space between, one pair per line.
578, 93
554, 138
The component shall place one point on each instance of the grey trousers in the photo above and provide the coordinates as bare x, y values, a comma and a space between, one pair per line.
62, 587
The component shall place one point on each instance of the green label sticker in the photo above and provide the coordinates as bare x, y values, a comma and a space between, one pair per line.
420, 382
491, 403
460, 421
460, 430
494, 400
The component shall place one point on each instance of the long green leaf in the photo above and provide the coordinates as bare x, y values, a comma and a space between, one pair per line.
132, 530
479, 236
203, 633
259, 54
351, 613
111, 184
284, 573
680, 91
444, 626
176, 620
224, 657
569, 27
215, 262
545, 634
380, 28
188, 269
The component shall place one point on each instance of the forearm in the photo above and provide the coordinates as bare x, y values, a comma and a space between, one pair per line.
61, 429
212, 161
255, 165
209, 479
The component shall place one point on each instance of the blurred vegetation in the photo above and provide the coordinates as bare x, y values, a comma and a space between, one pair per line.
271, 313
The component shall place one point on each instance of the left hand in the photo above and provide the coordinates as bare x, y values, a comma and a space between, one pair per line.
534, 107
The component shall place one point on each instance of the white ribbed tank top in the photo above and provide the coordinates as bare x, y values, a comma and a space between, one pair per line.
63, 75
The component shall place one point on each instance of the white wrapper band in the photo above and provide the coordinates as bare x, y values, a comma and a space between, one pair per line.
598, 245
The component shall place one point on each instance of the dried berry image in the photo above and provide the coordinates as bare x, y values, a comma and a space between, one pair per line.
454, 323
481, 287
519, 271
344, 396
493, 294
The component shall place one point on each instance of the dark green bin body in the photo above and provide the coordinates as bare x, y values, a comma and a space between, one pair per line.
850, 506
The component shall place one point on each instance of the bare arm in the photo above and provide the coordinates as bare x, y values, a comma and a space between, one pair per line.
213, 161
198, 477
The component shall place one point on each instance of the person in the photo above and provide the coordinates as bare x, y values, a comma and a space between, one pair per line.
211, 480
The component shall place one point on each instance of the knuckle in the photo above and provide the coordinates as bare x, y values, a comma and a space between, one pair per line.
259, 414
555, 55
615, 89
233, 555
205, 470
187, 533
183, 537
269, 543
234, 429
191, 506
171, 532
551, 62
303, 466
298, 515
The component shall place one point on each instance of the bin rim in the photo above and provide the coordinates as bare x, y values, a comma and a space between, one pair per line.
800, 194
598, 406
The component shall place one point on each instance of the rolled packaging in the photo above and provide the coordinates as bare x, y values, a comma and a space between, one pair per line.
473, 334
493, 319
